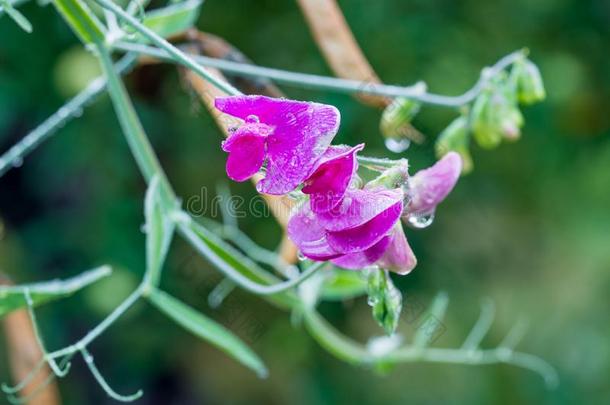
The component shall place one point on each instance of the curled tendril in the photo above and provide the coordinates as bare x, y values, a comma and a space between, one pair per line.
103, 383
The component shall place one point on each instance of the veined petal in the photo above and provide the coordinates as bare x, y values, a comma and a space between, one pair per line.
246, 149
359, 260
359, 207
398, 257
309, 236
428, 187
302, 131
331, 177
366, 235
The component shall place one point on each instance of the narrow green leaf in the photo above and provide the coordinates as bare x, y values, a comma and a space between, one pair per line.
241, 263
207, 329
16, 16
159, 231
173, 19
343, 284
81, 19
13, 297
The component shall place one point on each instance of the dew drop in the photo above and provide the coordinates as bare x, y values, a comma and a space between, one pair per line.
17, 162
420, 221
252, 119
372, 301
397, 145
78, 112
301, 256
143, 228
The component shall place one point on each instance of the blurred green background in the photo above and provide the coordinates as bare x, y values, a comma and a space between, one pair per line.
530, 228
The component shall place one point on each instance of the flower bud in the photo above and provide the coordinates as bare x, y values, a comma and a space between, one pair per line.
385, 299
456, 138
484, 122
511, 124
530, 88
495, 114
395, 120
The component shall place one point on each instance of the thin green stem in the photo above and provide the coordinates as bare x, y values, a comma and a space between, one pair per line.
103, 383
239, 279
13, 3
100, 328
355, 353
132, 128
176, 53
414, 92
72, 109
38, 336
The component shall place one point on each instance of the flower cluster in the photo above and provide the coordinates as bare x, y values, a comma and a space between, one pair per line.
342, 221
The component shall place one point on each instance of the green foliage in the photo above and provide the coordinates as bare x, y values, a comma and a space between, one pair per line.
173, 19
342, 285
13, 297
159, 231
208, 330
80, 18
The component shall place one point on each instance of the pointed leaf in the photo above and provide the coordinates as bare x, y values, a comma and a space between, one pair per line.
218, 250
207, 329
159, 231
343, 284
173, 19
13, 297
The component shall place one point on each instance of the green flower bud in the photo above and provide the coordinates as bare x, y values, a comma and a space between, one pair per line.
528, 80
385, 299
512, 121
395, 120
456, 137
495, 114
485, 126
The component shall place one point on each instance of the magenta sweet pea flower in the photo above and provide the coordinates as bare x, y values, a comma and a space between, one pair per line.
398, 257
331, 177
428, 187
356, 233
290, 136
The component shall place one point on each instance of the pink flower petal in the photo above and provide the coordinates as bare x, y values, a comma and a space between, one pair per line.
398, 257
359, 207
360, 260
366, 235
309, 236
331, 177
302, 132
246, 149
427, 188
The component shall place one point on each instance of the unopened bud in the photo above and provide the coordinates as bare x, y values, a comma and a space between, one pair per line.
396, 118
530, 88
456, 138
485, 126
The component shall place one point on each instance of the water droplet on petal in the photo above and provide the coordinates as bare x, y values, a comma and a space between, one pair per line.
397, 145
252, 119
420, 221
